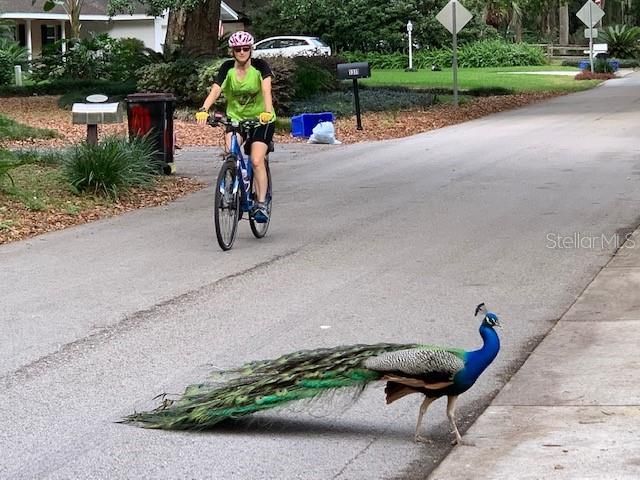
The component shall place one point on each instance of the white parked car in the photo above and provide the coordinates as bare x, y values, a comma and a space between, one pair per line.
290, 46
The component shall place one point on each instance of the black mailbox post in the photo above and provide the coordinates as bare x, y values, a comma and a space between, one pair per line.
354, 71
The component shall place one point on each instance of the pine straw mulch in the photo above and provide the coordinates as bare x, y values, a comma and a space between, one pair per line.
17, 222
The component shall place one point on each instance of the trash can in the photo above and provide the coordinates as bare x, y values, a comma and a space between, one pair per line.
151, 114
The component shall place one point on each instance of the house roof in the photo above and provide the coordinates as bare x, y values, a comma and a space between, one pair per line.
91, 10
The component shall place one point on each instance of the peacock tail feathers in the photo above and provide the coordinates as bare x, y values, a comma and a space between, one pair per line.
267, 384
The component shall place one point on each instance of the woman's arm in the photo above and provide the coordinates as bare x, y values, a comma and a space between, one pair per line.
214, 94
266, 94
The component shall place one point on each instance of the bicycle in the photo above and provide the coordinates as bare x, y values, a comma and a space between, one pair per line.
234, 190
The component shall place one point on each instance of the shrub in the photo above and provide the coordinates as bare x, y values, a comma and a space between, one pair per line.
622, 63
62, 86
496, 53
622, 40
371, 100
382, 61
111, 167
310, 79
206, 76
127, 57
179, 77
6, 69
602, 65
98, 57
485, 53
11, 54
283, 86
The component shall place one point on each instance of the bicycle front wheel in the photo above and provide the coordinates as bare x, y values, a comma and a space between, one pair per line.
226, 206
259, 230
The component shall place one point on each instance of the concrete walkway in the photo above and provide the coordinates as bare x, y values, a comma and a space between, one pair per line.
623, 72
573, 410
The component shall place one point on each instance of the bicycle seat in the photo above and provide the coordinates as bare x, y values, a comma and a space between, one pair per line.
271, 147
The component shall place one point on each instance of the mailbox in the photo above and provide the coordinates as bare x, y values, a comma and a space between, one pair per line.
95, 113
348, 71
354, 71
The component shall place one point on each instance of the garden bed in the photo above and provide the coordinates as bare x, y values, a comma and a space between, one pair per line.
44, 204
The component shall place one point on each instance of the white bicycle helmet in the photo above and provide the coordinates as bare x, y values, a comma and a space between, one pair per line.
240, 39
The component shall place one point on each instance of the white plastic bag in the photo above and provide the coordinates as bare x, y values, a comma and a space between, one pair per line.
323, 132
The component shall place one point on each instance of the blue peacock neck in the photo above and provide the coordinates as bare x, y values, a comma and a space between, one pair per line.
478, 360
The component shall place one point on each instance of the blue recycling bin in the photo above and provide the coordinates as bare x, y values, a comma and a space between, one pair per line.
302, 125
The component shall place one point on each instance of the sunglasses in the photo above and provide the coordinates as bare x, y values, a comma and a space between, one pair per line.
241, 49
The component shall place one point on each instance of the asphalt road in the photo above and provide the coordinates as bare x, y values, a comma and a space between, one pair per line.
384, 241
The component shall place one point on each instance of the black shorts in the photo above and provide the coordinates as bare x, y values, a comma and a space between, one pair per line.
262, 134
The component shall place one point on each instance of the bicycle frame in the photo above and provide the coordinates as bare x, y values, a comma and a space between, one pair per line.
244, 174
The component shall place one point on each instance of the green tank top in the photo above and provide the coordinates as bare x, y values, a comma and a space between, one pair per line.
244, 97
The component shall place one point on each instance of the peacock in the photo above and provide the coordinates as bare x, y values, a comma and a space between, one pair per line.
261, 385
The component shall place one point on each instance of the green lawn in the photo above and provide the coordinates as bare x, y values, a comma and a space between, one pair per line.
484, 78
11, 130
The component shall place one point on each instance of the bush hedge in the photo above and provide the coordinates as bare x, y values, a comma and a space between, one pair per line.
485, 53
97, 56
63, 86
623, 63
376, 99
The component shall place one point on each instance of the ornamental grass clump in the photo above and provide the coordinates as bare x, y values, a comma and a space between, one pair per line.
111, 167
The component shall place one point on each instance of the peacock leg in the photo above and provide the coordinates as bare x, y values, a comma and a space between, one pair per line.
451, 414
423, 409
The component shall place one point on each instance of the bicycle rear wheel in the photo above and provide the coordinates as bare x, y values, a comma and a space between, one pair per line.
226, 206
259, 230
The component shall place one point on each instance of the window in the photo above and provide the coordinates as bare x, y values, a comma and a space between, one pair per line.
265, 45
292, 42
50, 34
318, 43
22, 35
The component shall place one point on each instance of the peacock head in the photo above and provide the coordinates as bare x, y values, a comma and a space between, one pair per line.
490, 318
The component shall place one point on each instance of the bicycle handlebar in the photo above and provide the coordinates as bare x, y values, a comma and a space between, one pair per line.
236, 126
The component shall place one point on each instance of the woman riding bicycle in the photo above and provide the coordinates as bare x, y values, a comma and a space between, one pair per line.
246, 84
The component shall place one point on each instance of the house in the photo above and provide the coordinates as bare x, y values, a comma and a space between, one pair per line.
35, 27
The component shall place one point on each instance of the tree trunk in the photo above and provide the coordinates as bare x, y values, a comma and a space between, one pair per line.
175, 29
563, 13
201, 29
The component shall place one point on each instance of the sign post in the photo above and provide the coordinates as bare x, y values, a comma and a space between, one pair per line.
590, 14
454, 17
409, 30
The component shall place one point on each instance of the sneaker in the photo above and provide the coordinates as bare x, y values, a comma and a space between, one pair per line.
260, 213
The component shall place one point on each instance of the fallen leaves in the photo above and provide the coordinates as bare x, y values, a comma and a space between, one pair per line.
18, 222
44, 112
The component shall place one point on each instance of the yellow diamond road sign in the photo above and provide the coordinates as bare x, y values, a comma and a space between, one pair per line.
590, 18
445, 16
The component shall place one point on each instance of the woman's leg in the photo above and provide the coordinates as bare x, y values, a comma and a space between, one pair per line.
258, 154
